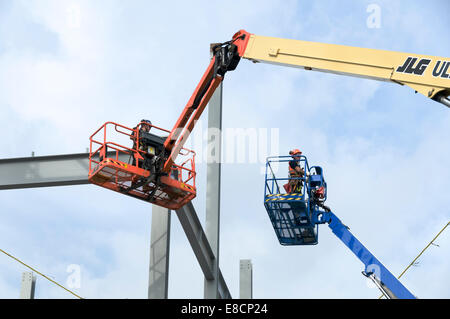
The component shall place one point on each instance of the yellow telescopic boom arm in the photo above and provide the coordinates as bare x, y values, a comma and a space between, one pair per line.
428, 75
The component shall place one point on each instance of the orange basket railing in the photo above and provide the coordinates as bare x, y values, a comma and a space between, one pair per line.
109, 141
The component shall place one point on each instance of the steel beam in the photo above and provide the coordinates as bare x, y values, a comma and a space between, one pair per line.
45, 171
245, 279
201, 247
212, 224
224, 293
28, 285
159, 253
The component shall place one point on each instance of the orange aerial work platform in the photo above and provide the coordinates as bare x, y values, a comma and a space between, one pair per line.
136, 169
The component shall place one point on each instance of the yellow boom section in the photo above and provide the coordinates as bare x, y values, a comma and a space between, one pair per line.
428, 75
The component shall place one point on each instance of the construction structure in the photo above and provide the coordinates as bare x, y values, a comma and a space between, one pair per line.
160, 170
155, 172
28, 286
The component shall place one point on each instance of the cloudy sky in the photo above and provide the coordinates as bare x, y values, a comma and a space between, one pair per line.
66, 67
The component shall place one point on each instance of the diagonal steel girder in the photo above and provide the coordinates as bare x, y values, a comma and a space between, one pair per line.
72, 169
200, 245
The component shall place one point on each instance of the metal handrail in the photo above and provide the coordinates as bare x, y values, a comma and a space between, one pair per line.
271, 182
183, 167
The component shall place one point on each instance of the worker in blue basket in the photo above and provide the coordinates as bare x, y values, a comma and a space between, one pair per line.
295, 172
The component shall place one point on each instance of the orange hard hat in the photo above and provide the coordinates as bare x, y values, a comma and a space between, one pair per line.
295, 152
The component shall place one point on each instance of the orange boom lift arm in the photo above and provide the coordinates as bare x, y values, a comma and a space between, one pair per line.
226, 57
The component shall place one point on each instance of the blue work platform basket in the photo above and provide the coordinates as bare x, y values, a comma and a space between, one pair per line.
291, 213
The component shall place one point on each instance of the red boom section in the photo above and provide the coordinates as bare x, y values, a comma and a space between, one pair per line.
191, 113
118, 167
202, 94
240, 39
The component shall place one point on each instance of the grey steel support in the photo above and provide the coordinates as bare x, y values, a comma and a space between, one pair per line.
245, 279
200, 246
45, 171
214, 152
159, 253
28, 285
381, 286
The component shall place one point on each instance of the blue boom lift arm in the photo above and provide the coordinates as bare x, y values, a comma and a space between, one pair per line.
389, 285
296, 217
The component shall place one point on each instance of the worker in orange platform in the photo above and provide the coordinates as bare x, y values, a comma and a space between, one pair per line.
295, 172
148, 152
145, 126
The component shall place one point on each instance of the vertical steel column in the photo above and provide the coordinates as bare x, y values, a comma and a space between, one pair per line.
158, 283
214, 153
245, 279
28, 285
